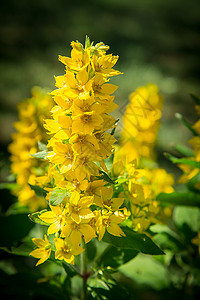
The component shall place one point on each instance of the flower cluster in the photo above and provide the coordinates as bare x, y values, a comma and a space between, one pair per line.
133, 166
30, 131
141, 122
79, 144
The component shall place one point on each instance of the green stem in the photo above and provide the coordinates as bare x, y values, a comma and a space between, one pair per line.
84, 274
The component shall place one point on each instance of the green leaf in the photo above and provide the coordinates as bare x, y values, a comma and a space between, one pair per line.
195, 98
42, 146
192, 182
147, 272
116, 257
58, 196
34, 217
185, 161
23, 250
8, 186
87, 42
42, 154
137, 241
70, 270
189, 216
185, 123
105, 177
186, 198
167, 241
185, 151
14, 228
40, 192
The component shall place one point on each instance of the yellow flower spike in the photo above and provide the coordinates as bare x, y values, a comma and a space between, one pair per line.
65, 250
32, 112
44, 249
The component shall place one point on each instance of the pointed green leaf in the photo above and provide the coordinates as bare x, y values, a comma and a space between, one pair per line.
185, 199
186, 161
137, 241
34, 217
8, 186
40, 192
185, 123
195, 98
185, 151
23, 250
42, 146
115, 257
58, 196
87, 42
41, 155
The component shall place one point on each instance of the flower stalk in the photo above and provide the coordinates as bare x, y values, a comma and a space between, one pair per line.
84, 271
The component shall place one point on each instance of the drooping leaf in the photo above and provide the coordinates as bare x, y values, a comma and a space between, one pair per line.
136, 241
14, 228
23, 250
58, 196
34, 217
186, 161
115, 257
184, 198
40, 192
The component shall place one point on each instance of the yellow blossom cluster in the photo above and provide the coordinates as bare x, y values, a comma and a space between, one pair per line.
141, 122
30, 131
79, 144
141, 179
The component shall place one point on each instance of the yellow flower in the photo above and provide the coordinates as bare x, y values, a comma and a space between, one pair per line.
44, 249
79, 207
56, 217
62, 155
65, 250
76, 230
110, 222
87, 122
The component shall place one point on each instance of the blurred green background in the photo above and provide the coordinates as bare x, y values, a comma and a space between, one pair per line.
157, 41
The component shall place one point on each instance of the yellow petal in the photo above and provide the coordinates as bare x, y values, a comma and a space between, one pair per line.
88, 232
